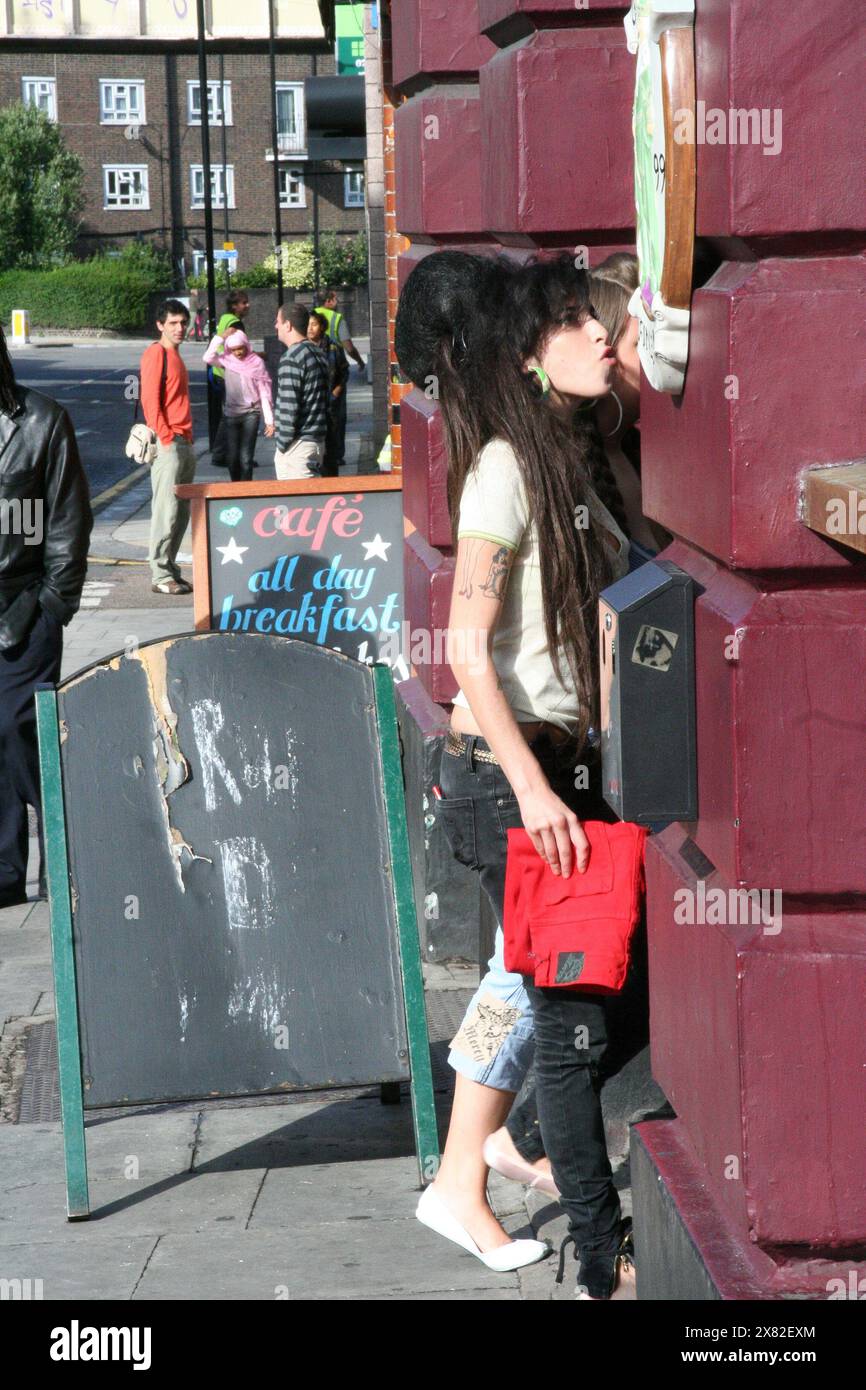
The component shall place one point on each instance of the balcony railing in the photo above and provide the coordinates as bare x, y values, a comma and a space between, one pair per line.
290, 142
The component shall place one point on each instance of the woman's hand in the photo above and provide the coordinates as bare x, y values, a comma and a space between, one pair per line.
269, 431
554, 830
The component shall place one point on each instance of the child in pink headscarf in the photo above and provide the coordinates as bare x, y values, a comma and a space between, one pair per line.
248, 399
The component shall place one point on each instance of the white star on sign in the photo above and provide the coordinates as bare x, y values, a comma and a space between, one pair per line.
376, 547
232, 551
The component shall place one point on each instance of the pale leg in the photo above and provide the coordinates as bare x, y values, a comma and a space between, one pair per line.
462, 1178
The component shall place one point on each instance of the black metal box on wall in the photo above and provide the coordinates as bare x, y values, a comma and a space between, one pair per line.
647, 642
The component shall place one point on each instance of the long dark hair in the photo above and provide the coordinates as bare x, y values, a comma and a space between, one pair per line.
8, 398
465, 324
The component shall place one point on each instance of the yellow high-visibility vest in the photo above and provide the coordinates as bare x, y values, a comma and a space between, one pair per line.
334, 318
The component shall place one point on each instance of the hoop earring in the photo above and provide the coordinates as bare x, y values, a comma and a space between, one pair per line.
543, 378
589, 404
619, 421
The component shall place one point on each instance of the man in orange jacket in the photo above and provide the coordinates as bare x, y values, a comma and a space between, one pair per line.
167, 411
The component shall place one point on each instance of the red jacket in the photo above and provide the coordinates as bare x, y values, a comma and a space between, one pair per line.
575, 931
166, 411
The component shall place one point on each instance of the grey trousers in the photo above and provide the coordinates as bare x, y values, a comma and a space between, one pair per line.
174, 463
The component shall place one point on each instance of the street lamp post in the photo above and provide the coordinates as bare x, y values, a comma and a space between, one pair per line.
212, 403
278, 226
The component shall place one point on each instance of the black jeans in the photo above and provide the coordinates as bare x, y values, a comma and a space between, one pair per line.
570, 1025
571, 1038
334, 450
241, 432
29, 663
336, 437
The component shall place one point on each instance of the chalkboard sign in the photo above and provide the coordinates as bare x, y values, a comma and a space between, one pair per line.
232, 910
316, 560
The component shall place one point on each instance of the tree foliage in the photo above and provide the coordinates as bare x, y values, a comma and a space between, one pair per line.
41, 191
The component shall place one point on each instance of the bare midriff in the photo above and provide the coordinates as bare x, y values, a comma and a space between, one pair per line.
462, 722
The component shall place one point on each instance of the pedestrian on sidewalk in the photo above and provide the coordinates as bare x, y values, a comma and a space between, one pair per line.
237, 307
338, 332
248, 400
302, 398
338, 376
45, 523
168, 412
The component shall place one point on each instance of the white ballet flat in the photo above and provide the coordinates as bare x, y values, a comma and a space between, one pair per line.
432, 1212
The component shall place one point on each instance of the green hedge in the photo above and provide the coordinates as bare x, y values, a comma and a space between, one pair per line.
99, 293
342, 262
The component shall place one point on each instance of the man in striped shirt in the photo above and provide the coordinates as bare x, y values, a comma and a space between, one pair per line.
302, 398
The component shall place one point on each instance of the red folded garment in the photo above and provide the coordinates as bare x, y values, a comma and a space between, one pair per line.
575, 932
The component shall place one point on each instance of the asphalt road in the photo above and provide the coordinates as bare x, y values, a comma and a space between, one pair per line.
93, 382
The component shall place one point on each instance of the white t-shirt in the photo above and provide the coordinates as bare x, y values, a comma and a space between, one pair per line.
494, 507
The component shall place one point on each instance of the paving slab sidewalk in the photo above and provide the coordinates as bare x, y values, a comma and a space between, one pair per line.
290, 1198
299, 1198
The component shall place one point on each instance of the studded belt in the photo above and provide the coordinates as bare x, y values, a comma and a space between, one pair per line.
456, 744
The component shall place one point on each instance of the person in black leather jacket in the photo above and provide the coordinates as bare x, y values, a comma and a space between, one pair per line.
45, 523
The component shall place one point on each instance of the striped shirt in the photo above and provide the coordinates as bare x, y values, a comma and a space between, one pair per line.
302, 395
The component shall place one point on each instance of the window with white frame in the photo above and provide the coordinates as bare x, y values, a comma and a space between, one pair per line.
42, 93
291, 131
125, 186
222, 183
293, 191
353, 188
121, 103
219, 103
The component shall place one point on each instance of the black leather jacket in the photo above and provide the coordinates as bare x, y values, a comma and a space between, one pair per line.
39, 464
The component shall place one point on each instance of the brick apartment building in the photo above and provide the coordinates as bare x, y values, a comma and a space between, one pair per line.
134, 119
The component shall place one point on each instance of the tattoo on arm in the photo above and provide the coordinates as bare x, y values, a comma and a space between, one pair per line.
497, 575
465, 576
493, 585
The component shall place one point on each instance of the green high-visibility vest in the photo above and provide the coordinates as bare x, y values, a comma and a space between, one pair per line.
226, 322
335, 318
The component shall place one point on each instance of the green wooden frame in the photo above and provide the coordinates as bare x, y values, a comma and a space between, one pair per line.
423, 1103
62, 955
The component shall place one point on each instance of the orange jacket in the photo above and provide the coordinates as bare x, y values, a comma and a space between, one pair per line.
173, 413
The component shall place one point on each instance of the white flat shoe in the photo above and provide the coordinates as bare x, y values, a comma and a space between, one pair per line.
432, 1212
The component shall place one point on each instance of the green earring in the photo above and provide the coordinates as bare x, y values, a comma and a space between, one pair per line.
543, 378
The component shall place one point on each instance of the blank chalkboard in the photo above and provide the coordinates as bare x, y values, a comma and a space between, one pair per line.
231, 813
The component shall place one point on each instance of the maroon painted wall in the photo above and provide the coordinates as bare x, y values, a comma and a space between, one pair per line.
757, 1038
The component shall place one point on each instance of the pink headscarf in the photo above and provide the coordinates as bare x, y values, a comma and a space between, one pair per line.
253, 367
250, 365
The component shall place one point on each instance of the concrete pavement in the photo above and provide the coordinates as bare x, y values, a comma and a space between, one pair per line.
308, 1196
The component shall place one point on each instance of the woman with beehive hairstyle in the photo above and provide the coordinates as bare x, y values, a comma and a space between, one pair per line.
513, 353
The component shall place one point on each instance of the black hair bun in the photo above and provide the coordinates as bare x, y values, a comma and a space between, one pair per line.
449, 297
